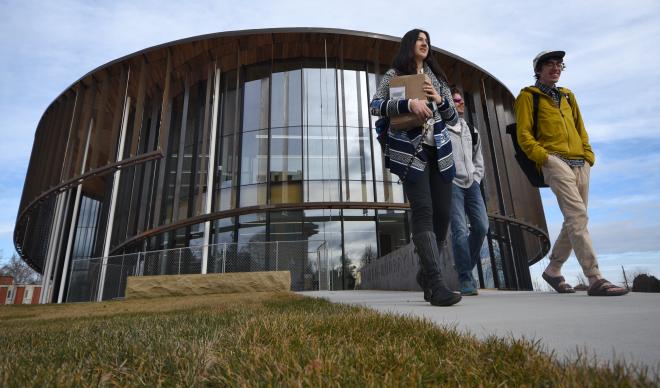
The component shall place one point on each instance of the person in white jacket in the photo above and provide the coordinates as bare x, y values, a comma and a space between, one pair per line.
467, 202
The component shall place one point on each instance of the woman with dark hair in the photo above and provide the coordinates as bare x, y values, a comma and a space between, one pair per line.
421, 157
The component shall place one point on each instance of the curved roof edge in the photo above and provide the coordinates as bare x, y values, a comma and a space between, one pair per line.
238, 33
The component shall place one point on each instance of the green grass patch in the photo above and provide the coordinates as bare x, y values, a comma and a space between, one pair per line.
266, 339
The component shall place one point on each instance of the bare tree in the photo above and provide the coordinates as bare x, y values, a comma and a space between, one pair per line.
369, 254
581, 280
625, 278
20, 271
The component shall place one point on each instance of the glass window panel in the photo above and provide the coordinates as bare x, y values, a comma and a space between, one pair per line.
359, 191
255, 104
225, 198
286, 225
254, 156
321, 191
252, 195
222, 238
486, 267
250, 254
252, 228
363, 100
392, 230
228, 99
286, 154
320, 97
226, 162
499, 267
321, 153
193, 164
325, 225
356, 101
83, 271
358, 153
223, 231
359, 248
286, 109
171, 163
389, 192
286, 192
201, 121
289, 253
351, 214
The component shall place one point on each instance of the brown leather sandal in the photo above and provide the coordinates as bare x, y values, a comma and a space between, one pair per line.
558, 283
602, 287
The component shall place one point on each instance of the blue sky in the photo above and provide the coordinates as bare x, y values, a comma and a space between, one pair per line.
612, 66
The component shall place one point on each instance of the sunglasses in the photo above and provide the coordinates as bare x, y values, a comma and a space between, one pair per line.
458, 100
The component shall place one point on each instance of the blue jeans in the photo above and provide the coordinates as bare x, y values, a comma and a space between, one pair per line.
467, 204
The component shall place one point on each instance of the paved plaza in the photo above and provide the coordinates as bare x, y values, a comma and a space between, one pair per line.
611, 328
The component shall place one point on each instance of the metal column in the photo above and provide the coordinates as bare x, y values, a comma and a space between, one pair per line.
115, 188
52, 248
210, 171
74, 217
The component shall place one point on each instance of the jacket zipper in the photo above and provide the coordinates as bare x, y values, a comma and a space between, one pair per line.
563, 118
463, 152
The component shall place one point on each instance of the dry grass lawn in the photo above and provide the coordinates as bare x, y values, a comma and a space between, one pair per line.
267, 339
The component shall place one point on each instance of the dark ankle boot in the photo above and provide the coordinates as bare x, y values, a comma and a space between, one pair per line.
429, 260
422, 280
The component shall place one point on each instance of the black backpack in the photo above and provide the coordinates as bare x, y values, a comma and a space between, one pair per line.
534, 176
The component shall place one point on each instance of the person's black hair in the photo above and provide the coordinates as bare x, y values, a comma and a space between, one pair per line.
404, 61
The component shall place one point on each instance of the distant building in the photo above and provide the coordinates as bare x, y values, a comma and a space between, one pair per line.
246, 137
11, 293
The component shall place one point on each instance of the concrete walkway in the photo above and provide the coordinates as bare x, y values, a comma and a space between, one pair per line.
610, 328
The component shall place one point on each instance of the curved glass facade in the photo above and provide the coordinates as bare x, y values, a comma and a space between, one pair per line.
244, 138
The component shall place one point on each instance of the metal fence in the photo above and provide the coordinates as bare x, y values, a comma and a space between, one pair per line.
306, 260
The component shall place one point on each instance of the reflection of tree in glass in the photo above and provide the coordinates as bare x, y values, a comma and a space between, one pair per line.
368, 255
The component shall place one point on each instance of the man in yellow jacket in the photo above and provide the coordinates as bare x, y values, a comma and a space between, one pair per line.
561, 150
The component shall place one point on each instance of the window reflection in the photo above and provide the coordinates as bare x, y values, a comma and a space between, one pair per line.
392, 230
356, 100
320, 97
389, 192
321, 153
228, 103
358, 153
171, 163
359, 248
254, 157
253, 195
255, 104
250, 254
321, 191
286, 109
286, 155
222, 239
325, 225
83, 271
224, 193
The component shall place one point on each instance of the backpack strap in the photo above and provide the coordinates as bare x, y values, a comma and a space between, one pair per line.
535, 98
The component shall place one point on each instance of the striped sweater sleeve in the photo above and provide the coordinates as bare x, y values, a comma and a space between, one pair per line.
382, 105
447, 109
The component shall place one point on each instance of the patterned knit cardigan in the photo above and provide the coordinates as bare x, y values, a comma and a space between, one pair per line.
401, 148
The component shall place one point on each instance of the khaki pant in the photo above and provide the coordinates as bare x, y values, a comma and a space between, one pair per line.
571, 187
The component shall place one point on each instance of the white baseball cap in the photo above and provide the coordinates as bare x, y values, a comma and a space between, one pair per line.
543, 55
